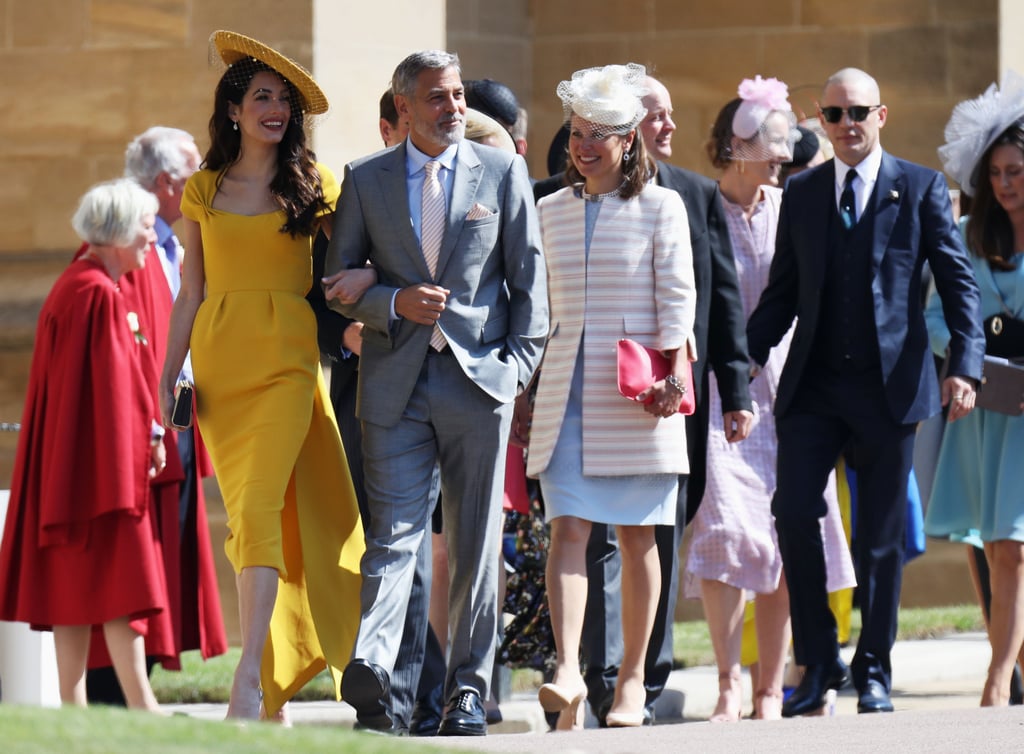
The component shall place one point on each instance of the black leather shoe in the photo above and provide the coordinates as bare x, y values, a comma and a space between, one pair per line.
809, 696
465, 716
874, 698
366, 686
426, 715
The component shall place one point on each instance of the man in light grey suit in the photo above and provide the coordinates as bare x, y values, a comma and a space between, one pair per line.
448, 343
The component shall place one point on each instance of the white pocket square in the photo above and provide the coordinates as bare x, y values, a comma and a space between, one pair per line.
478, 212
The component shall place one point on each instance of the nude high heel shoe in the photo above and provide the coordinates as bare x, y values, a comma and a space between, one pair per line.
566, 702
624, 719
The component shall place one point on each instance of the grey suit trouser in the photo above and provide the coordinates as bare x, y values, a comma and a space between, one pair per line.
452, 422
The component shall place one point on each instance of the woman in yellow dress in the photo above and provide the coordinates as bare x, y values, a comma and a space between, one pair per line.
250, 215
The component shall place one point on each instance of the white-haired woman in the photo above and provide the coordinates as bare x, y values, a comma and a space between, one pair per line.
78, 548
619, 266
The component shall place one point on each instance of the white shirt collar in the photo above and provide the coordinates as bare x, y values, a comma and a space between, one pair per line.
867, 169
415, 159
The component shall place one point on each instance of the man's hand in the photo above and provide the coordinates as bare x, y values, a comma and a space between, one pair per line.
737, 425
958, 393
348, 286
421, 303
352, 338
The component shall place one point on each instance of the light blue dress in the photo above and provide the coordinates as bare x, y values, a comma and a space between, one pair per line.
978, 493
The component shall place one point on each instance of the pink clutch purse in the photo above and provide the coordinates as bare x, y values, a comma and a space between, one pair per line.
640, 367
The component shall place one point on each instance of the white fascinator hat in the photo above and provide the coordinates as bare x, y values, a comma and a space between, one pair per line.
975, 125
608, 96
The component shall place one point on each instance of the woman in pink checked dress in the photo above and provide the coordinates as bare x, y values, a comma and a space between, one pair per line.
734, 550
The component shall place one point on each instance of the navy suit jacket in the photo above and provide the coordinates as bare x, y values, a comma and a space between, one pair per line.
913, 225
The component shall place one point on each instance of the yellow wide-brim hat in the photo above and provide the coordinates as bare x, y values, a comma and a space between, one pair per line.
233, 47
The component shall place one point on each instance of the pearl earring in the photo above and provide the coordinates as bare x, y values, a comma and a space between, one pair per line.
234, 125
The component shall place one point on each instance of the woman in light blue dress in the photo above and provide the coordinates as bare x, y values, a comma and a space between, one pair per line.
977, 494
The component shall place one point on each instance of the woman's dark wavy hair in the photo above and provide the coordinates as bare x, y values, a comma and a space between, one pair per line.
637, 171
719, 145
989, 230
296, 186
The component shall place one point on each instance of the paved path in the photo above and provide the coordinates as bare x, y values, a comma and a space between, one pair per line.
937, 685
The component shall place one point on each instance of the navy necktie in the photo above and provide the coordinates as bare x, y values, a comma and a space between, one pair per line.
848, 201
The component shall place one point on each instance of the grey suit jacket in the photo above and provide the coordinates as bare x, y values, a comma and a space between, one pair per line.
496, 319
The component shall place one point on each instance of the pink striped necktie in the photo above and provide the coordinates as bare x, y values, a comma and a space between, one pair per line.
432, 222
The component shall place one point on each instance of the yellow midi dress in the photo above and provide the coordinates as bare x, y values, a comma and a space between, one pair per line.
266, 418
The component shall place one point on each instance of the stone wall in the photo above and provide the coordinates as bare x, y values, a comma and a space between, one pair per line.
84, 76
926, 54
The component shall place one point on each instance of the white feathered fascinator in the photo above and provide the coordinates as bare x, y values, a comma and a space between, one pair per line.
976, 124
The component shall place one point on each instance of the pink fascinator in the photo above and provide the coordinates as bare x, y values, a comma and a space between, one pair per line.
760, 98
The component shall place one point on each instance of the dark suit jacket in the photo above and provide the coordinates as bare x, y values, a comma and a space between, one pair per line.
913, 224
719, 326
330, 329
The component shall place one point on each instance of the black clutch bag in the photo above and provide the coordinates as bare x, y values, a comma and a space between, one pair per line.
1002, 386
181, 416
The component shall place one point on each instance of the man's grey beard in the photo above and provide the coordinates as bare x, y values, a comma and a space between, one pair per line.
451, 137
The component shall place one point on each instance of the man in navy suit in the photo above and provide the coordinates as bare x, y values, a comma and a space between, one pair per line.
853, 237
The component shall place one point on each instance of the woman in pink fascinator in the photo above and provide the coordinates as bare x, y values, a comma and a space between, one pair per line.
734, 554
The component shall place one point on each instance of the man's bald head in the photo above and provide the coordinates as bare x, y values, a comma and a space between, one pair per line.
853, 140
657, 126
855, 77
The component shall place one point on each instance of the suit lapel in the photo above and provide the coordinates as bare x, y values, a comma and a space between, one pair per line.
465, 181
395, 200
667, 179
890, 187
818, 199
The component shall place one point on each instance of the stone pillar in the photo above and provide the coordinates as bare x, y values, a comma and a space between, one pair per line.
356, 47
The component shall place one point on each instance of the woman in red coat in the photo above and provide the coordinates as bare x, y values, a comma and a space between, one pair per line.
79, 548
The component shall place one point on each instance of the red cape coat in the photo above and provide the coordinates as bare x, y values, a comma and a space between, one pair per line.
196, 618
79, 545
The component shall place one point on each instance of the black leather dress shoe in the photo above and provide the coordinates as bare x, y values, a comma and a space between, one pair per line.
465, 716
366, 686
809, 696
874, 698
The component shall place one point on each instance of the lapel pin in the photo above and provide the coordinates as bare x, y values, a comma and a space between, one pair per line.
894, 195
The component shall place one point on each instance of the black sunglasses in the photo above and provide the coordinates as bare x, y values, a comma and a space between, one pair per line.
857, 113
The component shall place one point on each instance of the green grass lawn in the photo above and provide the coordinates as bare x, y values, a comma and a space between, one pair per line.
105, 730
101, 730
211, 681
